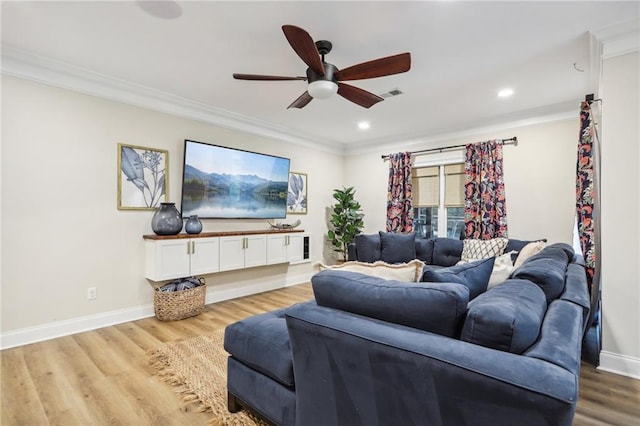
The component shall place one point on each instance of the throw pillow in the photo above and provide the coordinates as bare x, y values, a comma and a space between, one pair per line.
406, 272
368, 247
397, 248
502, 268
482, 249
474, 275
424, 250
528, 251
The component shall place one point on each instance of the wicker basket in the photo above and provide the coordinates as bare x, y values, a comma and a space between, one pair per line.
177, 305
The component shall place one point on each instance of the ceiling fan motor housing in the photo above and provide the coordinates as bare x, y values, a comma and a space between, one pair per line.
330, 72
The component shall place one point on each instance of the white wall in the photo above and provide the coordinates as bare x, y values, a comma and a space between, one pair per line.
61, 230
620, 138
539, 179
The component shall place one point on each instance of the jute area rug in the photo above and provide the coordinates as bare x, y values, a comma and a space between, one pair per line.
197, 369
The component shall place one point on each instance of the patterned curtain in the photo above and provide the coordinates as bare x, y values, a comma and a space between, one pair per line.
399, 199
585, 190
485, 210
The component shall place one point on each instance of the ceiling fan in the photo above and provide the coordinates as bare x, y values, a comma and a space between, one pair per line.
326, 79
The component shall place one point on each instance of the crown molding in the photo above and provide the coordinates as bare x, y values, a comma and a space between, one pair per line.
619, 39
25, 65
534, 117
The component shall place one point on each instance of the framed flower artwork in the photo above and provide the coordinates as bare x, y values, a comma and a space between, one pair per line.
142, 177
297, 194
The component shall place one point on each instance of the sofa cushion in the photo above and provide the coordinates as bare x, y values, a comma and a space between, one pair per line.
482, 249
424, 250
566, 248
397, 247
262, 343
547, 269
446, 251
507, 317
437, 308
408, 272
368, 247
474, 275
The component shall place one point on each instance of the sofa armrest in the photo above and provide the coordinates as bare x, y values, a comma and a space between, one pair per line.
576, 290
365, 371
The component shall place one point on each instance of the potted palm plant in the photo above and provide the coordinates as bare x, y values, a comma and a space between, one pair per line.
346, 220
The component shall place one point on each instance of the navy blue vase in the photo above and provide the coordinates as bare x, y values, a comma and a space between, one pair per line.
193, 225
166, 220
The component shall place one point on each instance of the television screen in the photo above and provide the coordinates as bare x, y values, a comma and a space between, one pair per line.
222, 182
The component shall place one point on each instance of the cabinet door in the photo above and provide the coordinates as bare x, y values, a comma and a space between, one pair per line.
255, 252
276, 248
295, 247
231, 253
169, 259
205, 256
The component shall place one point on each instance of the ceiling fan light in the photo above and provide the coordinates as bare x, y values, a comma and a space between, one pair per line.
322, 89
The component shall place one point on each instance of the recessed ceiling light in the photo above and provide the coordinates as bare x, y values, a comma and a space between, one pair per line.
363, 125
505, 93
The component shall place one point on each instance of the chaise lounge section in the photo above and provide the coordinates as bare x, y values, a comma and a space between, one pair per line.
373, 351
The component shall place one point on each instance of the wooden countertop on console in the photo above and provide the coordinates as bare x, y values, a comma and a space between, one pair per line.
220, 234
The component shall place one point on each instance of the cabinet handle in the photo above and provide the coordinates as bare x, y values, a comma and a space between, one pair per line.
188, 248
193, 247
286, 240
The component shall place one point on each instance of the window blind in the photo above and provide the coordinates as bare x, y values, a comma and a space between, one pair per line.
426, 186
454, 185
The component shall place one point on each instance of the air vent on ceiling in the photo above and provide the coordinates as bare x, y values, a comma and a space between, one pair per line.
390, 93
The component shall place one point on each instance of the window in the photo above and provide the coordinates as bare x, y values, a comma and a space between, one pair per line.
438, 200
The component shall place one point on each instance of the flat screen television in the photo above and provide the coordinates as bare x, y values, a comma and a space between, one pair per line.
229, 183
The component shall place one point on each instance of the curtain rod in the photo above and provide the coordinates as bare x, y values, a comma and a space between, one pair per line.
511, 141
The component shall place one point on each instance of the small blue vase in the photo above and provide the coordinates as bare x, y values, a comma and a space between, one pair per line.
166, 220
193, 225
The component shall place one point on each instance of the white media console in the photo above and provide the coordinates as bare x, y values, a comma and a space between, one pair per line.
176, 256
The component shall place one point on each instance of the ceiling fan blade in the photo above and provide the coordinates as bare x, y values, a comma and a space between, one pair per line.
302, 101
377, 68
265, 77
358, 96
303, 45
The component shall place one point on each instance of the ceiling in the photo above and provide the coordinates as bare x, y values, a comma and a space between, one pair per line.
462, 54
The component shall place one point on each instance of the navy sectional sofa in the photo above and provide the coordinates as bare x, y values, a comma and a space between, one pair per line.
370, 351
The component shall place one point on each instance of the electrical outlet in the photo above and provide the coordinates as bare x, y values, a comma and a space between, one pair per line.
91, 293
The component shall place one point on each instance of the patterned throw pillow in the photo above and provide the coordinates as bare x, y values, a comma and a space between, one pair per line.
406, 272
482, 249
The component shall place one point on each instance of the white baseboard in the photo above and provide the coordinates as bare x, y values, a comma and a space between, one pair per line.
620, 364
52, 330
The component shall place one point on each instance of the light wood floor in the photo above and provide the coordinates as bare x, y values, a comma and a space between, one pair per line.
102, 377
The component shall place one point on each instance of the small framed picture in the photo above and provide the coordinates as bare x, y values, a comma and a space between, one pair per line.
297, 195
142, 177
